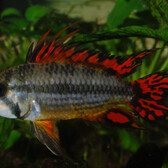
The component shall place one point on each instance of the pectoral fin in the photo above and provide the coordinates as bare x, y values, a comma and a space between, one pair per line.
47, 133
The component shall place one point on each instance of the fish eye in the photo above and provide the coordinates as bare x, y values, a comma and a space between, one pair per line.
3, 89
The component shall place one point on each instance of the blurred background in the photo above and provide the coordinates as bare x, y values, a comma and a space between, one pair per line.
112, 27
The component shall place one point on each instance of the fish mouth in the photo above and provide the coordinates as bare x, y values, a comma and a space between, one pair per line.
5, 111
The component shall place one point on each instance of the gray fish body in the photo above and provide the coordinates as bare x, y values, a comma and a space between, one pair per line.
61, 91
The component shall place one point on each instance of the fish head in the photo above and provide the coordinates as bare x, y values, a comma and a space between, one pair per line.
14, 101
5, 110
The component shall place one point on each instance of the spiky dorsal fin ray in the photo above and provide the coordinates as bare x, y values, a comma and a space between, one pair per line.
57, 51
47, 133
32, 54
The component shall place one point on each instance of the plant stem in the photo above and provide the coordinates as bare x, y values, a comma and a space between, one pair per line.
130, 31
164, 66
156, 58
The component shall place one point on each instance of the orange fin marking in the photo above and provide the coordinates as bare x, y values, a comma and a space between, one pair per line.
36, 55
117, 116
79, 57
94, 59
49, 127
47, 133
151, 99
69, 52
125, 66
123, 116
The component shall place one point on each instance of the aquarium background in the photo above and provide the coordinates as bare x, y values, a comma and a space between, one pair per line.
120, 27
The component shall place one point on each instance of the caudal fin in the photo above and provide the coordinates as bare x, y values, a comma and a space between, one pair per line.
151, 96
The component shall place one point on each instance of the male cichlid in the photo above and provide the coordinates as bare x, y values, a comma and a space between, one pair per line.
61, 82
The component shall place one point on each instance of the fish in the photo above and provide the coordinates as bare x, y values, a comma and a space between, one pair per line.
59, 81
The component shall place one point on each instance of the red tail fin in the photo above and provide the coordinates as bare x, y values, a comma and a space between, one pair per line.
151, 96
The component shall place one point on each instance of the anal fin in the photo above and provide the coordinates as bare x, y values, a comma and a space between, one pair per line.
118, 115
123, 116
47, 133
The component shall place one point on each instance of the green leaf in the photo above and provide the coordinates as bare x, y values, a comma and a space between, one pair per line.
10, 11
134, 143
159, 9
121, 11
151, 68
128, 140
129, 31
6, 126
34, 13
125, 138
18, 23
165, 162
13, 137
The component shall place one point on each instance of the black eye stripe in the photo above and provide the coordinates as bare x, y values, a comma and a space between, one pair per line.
17, 111
13, 107
3, 89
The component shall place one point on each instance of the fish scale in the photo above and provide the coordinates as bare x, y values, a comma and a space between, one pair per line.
68, 89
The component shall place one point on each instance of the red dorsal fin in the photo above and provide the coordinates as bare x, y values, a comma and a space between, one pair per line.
56, 51
38, 52
123, 66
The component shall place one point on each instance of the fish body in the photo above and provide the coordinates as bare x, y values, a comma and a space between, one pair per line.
61, 82
58, 91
